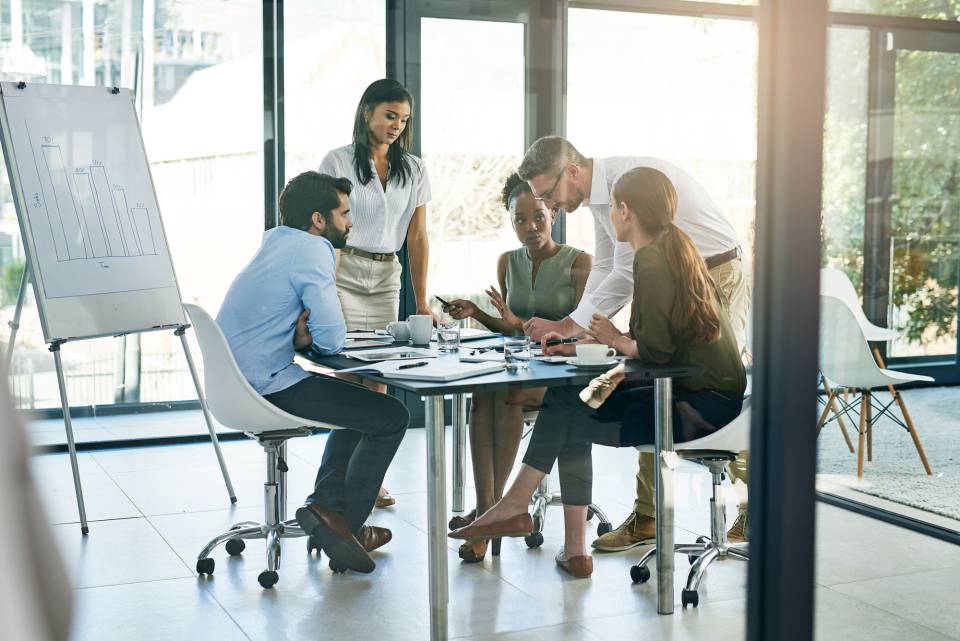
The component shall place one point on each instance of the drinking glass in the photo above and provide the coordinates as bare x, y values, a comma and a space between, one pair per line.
516, 353
448, 337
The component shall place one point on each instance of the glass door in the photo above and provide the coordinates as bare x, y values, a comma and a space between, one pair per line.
915, 253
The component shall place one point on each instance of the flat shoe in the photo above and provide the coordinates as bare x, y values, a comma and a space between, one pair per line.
517, 525
384, 498
458, 521
328, 530
579, 566
473, 551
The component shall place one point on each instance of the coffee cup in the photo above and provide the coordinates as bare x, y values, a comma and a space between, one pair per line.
400, 330
594, 354
421, 328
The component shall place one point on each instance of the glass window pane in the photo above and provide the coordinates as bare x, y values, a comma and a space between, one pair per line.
200, 94
472, 139
930, 9
332, 51
690, 98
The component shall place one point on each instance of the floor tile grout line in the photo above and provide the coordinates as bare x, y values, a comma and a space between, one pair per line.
890, 576
893, 614
213, 596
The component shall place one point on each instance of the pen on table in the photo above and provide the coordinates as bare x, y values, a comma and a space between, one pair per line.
561, 341
417, 364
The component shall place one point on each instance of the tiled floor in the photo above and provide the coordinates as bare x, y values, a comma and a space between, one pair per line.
152, 509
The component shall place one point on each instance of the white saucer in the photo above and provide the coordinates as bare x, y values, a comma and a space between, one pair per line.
604, 365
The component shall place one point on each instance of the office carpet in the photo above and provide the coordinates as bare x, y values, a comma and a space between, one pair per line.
896, 473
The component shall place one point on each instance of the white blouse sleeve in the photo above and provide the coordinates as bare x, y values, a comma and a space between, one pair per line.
330, 166
423, 184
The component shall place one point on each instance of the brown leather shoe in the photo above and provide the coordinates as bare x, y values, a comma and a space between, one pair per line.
456, 522
517, 525
738, 531
328, 530
473, 551
579, 566
636, 530
373, 537
384, 498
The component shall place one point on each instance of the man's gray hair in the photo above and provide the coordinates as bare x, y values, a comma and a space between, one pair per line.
547, 155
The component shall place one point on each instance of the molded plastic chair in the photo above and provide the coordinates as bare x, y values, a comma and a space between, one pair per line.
236, 405
847, 361
836, 283
715, 451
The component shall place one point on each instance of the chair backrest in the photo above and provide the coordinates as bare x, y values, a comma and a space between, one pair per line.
231, 399
732, 437
845, 356
836, 283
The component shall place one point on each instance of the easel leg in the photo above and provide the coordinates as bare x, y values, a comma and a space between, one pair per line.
71, 446
15, 323
181, 332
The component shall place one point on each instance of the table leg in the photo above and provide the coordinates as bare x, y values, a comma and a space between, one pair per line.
663, 414
436, 518
459, 449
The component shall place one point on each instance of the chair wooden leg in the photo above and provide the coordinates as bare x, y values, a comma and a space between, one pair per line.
832, 404
869, 426
823, 415
906, 418
861, 433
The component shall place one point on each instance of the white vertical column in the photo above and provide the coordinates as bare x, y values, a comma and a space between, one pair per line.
16, 25
88, 43
127, 70
66, 50
149, 19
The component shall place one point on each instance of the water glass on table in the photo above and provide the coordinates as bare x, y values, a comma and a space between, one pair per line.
448, 336
516, 353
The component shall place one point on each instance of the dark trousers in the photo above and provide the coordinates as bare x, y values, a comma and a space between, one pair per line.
356, 457
567, 428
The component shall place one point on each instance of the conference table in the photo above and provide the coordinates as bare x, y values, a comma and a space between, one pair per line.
538, 374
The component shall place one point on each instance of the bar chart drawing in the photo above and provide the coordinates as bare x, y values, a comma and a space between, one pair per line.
93, 218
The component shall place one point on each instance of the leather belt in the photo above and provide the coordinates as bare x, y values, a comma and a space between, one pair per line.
372, 256
719, 259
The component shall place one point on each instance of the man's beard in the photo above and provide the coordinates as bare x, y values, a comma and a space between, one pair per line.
336, 237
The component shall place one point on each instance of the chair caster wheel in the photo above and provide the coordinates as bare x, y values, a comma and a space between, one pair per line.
235, 547
205, 566
603, 528
692, 558
268, 579
312, 547
337, 568
703, 539
640, 573
534, 540
689, 597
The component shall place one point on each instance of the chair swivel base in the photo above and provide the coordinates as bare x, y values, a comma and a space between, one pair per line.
542, 499
707, 549
274, 526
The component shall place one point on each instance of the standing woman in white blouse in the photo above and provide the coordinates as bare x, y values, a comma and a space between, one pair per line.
388, 205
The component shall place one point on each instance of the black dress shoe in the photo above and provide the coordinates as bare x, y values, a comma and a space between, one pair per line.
328, 530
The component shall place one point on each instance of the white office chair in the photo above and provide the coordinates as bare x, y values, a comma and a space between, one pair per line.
543, 498
715, 451
236, 405
847, 362
835, 283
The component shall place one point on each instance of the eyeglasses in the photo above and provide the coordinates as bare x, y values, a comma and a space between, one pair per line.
548, 194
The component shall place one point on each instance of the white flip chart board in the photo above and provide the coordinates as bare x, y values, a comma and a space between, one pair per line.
88, 211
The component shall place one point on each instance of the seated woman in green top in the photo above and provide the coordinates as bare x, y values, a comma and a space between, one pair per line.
675, 317
542, 278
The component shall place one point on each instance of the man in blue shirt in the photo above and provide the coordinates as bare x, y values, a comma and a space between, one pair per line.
286, 299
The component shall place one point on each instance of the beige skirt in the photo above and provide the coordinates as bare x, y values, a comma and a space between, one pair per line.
369, 291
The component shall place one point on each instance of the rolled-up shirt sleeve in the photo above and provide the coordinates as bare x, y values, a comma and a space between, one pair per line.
313, 276
610, 284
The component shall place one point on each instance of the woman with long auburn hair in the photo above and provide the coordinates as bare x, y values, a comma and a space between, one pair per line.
675, 317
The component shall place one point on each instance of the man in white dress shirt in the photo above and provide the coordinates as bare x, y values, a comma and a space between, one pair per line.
564, 179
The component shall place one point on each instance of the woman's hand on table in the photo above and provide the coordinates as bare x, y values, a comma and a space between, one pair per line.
602, 330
